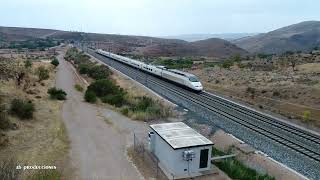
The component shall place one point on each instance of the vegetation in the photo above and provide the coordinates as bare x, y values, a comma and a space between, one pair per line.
55, 62
58, 94
28, 63
21, 108
51, 174
4, 121
227, 64
236, 170
175, 64
99, 72
42, 73
90, 96
78, 87
8, 169
40, 44
306, 116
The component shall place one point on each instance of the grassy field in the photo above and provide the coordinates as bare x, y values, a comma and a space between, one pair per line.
41, 140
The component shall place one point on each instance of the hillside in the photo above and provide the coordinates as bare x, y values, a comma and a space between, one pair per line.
303, 36
198, 37
134, 45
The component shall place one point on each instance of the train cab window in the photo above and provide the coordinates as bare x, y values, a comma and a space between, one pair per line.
193, 79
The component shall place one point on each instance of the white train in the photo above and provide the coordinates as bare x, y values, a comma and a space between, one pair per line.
185, 79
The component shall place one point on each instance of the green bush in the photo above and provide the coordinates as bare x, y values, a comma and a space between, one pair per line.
116, 99
227, 64
78, 87
8, 169
125, 111
99, 72
103, 87
28, 63
22, 109
84, 68
43, 73
306, 116
55, 62
90, 96
58, 94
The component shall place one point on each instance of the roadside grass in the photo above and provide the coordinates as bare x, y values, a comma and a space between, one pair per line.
78, 87
237, 170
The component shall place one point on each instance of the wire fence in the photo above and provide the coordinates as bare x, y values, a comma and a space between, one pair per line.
150, 163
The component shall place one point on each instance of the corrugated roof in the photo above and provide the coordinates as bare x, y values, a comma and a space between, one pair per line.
179, 135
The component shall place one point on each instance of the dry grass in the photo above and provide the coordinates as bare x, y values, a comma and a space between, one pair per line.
286, 92
42, 140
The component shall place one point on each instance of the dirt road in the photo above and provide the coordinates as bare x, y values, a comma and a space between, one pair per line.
98, 136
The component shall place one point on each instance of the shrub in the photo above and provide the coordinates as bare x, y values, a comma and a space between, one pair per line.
43, 73
22, 109
99, 72
84, 68
125, 111
28, 63
90, 96
116, 100
227, 64
58, 94
4, 121
103, 87
78, 87
306, 116
55, 62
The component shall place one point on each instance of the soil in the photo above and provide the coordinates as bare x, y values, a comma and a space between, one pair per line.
98, 136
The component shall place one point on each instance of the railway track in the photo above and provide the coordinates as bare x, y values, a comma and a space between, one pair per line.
301, 141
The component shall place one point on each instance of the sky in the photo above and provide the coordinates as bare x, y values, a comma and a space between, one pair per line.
158, 17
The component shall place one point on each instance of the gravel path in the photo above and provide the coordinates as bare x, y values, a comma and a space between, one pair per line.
98, 148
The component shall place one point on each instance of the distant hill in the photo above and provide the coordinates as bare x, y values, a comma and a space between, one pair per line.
198, 37
213, 47
135, 45
303, 36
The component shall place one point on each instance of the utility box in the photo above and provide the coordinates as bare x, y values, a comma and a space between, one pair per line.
182, 152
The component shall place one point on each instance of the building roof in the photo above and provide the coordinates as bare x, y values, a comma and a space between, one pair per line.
178, 135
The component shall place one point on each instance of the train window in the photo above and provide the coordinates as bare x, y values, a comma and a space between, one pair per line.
193, 79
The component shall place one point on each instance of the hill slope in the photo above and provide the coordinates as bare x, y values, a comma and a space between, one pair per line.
137, 45
297, 37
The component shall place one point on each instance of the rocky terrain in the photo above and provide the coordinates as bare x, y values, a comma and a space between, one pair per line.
303, 36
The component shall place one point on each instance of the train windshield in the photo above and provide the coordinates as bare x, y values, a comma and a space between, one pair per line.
193, 79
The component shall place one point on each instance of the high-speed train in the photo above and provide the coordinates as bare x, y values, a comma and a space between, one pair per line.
185, 79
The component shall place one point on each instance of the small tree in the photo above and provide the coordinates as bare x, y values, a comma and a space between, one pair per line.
43, 73
22, 109
306, 116
90, 96
55, 62
58, 94
28, 63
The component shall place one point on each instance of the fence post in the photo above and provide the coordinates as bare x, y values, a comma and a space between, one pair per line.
134, 141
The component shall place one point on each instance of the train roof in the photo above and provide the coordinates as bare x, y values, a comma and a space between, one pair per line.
181, 73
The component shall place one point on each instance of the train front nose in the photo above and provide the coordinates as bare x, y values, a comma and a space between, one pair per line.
197, 86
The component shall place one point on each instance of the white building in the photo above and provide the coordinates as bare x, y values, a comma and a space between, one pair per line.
181, 151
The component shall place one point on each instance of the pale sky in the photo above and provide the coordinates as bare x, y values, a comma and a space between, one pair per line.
158, 17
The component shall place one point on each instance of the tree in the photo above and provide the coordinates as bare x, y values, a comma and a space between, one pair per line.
43, 73
293, 61
55, 62
90, 96
28, 63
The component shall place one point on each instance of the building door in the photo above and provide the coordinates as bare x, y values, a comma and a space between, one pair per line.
204, 158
